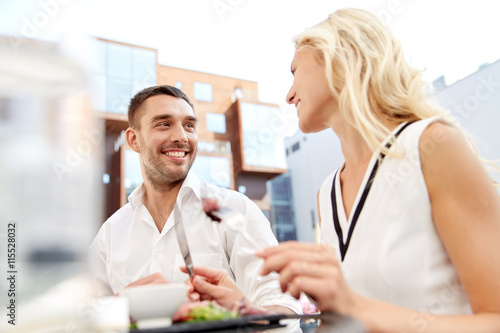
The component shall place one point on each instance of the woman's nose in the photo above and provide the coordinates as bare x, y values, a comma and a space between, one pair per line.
290, 96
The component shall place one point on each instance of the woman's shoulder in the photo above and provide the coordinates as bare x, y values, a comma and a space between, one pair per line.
427, 134
440, 137
447, 157
422, 126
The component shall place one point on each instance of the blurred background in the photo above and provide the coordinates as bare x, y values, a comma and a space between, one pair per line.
68, 69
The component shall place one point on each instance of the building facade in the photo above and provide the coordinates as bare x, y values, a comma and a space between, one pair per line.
310, 158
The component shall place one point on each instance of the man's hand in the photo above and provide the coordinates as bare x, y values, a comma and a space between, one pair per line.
156, 278
213, 284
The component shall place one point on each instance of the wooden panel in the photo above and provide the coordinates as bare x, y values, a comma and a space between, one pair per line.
113, 169
233, 131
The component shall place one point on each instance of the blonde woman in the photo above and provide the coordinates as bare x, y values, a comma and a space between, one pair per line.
410, 222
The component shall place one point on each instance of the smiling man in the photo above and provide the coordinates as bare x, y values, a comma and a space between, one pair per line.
163, 131
138, 244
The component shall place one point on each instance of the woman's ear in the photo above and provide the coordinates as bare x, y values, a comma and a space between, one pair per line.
131, 137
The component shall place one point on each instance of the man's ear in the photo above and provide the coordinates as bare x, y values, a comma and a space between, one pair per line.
131, 137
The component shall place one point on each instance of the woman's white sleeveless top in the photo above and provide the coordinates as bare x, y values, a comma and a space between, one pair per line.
395, 254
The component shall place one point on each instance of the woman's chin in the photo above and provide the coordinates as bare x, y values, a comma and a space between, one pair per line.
308, 127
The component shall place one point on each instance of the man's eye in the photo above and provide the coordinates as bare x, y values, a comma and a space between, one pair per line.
190, 125
164, 124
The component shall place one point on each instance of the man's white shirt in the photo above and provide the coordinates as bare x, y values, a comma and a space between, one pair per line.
129, 246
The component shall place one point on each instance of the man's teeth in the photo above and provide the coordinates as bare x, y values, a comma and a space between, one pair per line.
175, 153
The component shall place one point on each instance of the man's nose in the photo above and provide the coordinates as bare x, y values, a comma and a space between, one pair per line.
179, 134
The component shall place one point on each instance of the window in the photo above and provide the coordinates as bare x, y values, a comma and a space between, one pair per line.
213, 169
118, 72
203, 92
263, 144
281, 190
217, 146
281, 202
216, 122
98, 57
119, 64
118, 95
144, 66
133, 175
178, 85
284, 236
144, 69
98, 91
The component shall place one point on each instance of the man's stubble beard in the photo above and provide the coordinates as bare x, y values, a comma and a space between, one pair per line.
163, 178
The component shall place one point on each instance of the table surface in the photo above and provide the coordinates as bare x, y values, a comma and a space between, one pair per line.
327, 322
330, 322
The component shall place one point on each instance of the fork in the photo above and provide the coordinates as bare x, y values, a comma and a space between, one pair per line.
235, 220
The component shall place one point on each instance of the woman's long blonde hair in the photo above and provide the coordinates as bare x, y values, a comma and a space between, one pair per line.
370, 77
368, 74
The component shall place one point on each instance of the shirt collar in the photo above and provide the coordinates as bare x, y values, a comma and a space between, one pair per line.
191, 184
136, 197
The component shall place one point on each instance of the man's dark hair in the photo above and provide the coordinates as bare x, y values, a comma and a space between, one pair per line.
143, 95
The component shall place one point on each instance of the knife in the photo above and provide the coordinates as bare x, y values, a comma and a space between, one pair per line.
181, 238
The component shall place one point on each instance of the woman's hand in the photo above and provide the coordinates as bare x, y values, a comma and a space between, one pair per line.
213, 284
313, 269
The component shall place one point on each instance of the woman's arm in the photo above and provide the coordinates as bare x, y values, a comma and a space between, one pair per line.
466, 212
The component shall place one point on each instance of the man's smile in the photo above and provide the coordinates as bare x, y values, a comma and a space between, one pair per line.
176, 154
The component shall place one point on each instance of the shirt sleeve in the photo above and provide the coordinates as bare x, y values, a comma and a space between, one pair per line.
260, 290
97, 262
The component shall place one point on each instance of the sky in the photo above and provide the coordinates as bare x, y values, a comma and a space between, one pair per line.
252, 39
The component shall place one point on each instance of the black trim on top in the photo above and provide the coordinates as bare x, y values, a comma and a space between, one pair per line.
343, 247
